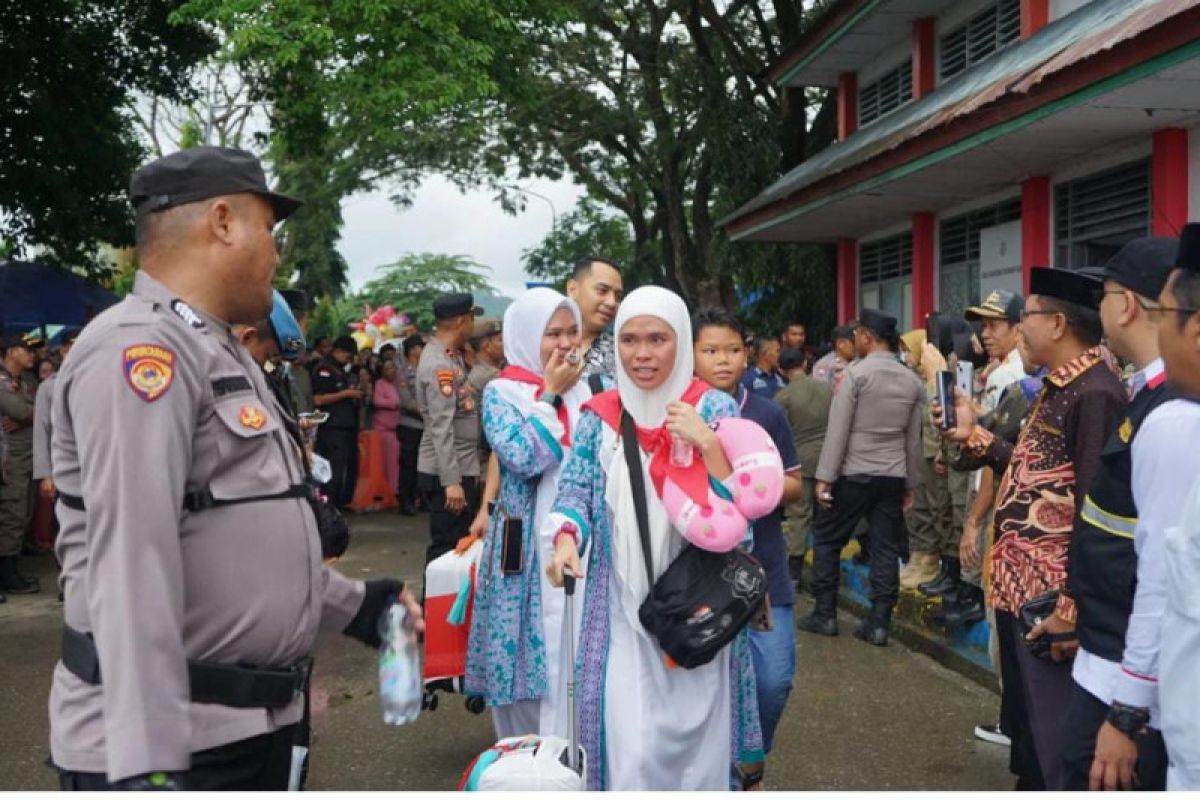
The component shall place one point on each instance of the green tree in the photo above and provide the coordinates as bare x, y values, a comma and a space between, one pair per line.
413, 282
589, 229
67, 145
359, 93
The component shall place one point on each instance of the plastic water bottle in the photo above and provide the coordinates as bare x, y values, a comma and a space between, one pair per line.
682, 452
399, 667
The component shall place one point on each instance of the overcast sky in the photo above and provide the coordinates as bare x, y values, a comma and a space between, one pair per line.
443, 220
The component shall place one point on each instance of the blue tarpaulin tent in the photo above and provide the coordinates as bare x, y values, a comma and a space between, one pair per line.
34, 294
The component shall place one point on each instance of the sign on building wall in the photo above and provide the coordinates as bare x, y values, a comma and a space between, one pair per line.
1000, 258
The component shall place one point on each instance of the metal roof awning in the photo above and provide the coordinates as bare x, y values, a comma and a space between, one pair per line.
1023, 85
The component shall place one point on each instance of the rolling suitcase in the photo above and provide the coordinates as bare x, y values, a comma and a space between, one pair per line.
449, 600
536, 763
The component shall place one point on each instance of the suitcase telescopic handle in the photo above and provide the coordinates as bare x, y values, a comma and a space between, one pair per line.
573, 760
569, 581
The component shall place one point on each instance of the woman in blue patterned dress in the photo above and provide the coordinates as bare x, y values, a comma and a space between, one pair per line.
529, 413
644, 725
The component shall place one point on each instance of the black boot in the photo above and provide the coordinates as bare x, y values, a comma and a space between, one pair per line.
946, 582
820, 625
966, 610
12, 581
874, 629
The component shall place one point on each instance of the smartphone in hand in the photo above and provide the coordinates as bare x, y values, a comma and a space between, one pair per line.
945, 397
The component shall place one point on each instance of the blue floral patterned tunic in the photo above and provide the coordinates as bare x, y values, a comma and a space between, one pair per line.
506, 653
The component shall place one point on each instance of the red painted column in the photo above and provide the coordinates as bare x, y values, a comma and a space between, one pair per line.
924, 57
1036, 211
1035, 15
847, 104
1169, 182
847, 280
923, 270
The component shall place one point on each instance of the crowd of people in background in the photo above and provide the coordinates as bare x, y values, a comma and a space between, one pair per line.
1028, 463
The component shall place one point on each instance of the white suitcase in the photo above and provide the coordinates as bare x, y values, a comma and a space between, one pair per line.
536, 763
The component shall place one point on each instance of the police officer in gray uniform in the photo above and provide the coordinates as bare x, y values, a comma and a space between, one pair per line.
448, 464
16, 416
870, 462
190, 557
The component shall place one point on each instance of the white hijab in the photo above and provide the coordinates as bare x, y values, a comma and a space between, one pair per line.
649, 410
525, 322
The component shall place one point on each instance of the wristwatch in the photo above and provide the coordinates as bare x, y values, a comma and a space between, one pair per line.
749, 779
552, 399
1129, 720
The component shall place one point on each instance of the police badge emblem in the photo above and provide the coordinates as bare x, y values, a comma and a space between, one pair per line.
149, 370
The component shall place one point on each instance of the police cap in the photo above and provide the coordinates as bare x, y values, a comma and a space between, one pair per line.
449, 306
1143, 265
881, 324
1188, 256
200, 173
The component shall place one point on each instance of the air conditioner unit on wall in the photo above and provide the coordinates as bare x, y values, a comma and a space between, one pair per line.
1000, 258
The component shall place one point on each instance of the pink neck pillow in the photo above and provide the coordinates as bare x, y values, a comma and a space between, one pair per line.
756, 486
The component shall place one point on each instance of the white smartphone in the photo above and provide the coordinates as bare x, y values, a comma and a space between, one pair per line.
965, 378
316, 416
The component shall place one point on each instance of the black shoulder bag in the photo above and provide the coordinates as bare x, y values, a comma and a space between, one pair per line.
704, 599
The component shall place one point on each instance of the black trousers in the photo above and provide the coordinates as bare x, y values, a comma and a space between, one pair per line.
261, 763
410, 447
445, 529
339, 446
880, 501
1084, 718
1014, 712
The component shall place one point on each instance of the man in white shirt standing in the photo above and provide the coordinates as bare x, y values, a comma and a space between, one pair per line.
1116, 569
1179, 639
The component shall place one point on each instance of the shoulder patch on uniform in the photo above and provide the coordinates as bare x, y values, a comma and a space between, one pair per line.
252, 417
149, 370
186, 313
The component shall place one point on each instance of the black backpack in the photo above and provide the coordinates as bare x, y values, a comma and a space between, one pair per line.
704, 599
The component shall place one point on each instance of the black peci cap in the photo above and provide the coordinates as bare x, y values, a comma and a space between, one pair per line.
1062, 284
1143, 265
200, 173
455, 305
881, 324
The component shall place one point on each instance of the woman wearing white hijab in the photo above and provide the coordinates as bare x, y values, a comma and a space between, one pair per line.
644, 725
529, 414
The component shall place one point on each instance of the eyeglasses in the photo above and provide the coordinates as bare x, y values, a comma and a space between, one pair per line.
1027, 314
1155, 310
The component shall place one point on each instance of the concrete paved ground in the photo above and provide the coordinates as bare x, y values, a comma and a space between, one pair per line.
859, 717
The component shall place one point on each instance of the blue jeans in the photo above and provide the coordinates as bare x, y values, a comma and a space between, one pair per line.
774, 654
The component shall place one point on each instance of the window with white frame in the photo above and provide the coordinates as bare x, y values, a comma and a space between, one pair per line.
885, 277
958, 253
885, 94
1096, 215
988, 32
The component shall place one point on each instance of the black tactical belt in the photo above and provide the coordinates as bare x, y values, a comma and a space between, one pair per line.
203, 500
230, 685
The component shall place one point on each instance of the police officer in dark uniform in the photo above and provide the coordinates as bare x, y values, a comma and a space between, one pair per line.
1114, 687
194, 588
448, 464
337, 438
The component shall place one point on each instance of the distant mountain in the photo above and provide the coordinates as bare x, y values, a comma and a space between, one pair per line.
493, 305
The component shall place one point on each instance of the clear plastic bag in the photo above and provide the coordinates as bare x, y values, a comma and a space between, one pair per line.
399, 667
